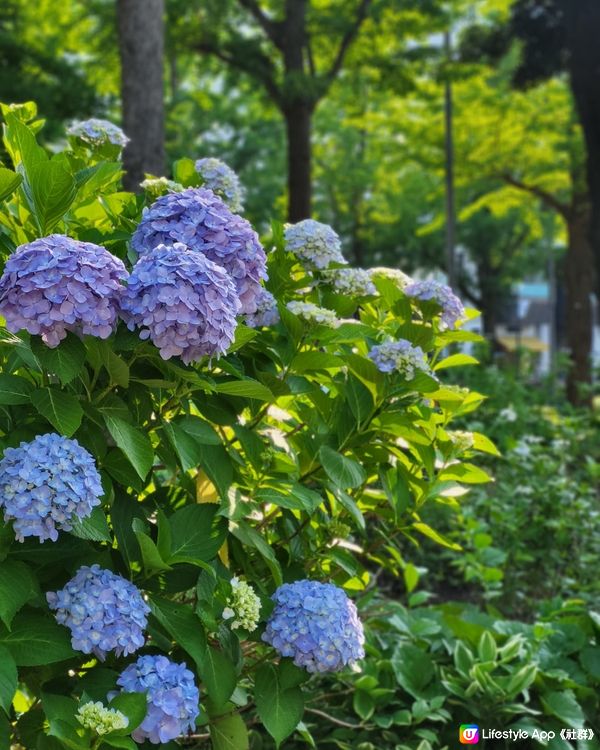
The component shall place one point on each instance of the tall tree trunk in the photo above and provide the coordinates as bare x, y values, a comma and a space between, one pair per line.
298, 117
579, 323
141, 47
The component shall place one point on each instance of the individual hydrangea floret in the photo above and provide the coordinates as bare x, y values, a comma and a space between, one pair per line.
222, 180
57, 284
355, 282
46, 485
452, 308
103, 611
243, 605
172, 697
317, 625
314, 243
312, 313
200, 219
98, 132
183, 302
157, 186
400, 279
266, 313
100, 719
400, 356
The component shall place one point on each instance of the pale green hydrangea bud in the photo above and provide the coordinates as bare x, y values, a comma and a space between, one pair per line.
243, 605
311, 313
463, 441
157, 186
100, 719
392, 274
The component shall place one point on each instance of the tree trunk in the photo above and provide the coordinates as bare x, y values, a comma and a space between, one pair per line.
579, 288
141, 48
298, 117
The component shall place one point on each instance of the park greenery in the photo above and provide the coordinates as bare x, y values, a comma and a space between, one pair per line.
270, 454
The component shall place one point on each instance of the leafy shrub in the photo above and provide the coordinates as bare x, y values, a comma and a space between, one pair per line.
291, 457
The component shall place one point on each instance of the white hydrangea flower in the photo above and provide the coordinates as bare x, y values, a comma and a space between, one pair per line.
157, 186
355, 282
243, 605
393, 274
462, 440
101, 719
313, 313
313, 243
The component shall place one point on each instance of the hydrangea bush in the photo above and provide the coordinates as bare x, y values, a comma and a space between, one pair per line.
204, 438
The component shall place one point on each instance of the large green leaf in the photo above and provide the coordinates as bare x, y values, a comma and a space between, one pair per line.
8, 678
343, 472
280, 709
36, 640
9, 182
197, 533
14, 390
17, 586
62, 410
247, 388
134, 706
563, 704
133, 442
229, 732
94, 527
151, 557
413, 668
66, 360
52, 189
184, 445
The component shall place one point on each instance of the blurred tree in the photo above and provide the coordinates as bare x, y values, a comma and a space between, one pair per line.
141, 46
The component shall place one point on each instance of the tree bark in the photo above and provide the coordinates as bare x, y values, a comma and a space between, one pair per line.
298, 118
141, 48
579, 324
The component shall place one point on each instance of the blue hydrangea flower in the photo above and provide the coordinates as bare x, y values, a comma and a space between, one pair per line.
47, 484
103, 611
314, 243
199, 219
172, 697
57, 284
355, 282
317, 625
400, 356
181, 301
222, 180
266, 313
452, 308
98, 132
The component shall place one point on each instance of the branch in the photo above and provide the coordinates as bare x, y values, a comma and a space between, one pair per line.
546, 197
271, 28
347, 40
332, 719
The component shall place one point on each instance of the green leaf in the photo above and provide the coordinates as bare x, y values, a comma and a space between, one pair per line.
413, 668
294, 497
184, 172
307, 361
467, 473
66, 360
343, 472
229, 733
250, 537
35, 641
124, 743
201, 430
279, 709
94, 527
134, 706
565, 707
14, 390
52, 190
8, 678
216, 462
197, 533
456, 360
486, 648
484, 444
9, 182
17, 586
247, 388
151, 557
133, 442
184, 445
62, 410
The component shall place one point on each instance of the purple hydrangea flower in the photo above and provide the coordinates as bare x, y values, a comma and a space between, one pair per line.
266, 313
317, 625
172, 697
452, 308
57, 284
314, 243
103, 611
400, 356
201, 220
181, 301
98, 132
222, 180
47, 484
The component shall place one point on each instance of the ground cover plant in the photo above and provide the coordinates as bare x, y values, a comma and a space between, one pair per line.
210, 443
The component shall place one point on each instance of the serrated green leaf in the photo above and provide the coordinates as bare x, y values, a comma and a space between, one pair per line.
133, 442
344, 472
14, 390
62, 410
66, 360
94, 527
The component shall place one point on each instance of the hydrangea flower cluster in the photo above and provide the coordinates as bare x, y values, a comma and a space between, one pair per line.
181, 301
103, 611
312, 313
98, 132
157, 186
392, 274
57, 284
355, 282
244, 605
222, 180
266, 313
199, 219
400, 356
314, 243
452, 308
47, 484
171, 694
317, 625
99, 719
462, 440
